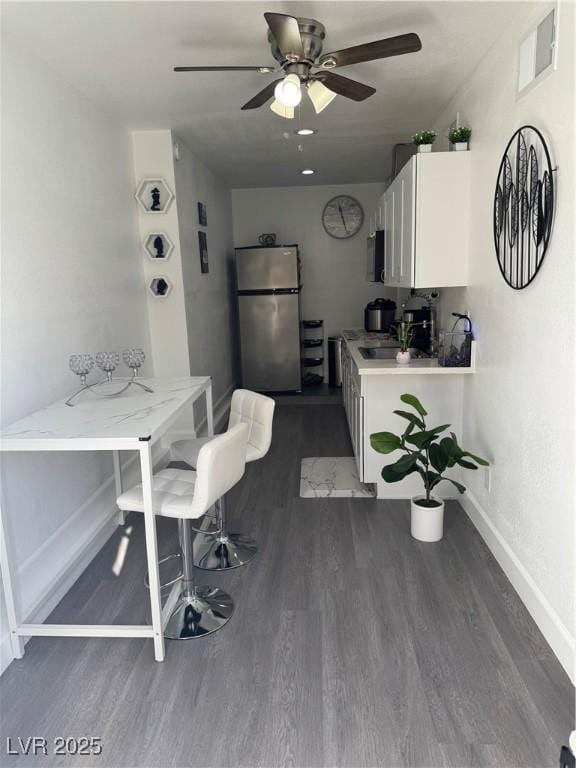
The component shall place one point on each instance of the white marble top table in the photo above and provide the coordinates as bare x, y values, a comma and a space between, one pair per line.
125, 420
132, 421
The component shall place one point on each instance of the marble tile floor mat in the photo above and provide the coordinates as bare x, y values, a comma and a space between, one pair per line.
334, 477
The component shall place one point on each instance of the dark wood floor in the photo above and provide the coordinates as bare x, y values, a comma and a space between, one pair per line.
351, 644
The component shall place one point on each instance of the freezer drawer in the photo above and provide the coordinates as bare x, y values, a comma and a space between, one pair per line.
266, 268
270, 342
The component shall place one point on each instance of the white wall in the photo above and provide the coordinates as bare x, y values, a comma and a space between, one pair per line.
71, 282
153, 158
191, 329
334, 271
209, 298
518, 408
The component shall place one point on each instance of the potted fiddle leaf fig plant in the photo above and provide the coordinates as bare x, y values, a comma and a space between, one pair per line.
459, 138
424, 140
429, 455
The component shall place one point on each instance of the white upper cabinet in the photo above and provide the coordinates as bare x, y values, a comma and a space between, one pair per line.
426, 216
407, 177
380, 213
388, 236
442, 219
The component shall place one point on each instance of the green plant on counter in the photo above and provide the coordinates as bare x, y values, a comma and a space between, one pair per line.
458, 135
404, 333
424, 451
424, 137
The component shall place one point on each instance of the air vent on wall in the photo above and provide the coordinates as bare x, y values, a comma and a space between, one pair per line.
538, 51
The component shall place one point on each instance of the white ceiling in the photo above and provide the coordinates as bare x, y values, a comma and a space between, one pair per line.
121, 55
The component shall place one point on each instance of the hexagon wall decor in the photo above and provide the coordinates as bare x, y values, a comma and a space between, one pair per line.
160, 287
154, 195
158, 246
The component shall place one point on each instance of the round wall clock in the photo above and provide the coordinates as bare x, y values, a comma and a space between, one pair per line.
342, 217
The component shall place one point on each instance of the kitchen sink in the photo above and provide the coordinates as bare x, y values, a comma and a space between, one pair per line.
386, 353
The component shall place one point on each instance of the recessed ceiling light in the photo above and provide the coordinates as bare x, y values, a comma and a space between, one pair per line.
305, 132
307, 171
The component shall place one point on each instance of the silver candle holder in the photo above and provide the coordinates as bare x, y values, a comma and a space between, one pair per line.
108, 362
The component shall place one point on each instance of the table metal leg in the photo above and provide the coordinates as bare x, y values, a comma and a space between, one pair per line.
152, 550
16, 642
118, 483
209, 411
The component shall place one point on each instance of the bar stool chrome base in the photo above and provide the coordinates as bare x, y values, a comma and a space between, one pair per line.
223, 551
199, 612
164, 585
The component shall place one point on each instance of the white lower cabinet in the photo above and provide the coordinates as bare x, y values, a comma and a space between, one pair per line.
370, 400
354, 407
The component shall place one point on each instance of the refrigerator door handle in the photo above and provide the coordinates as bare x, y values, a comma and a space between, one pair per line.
269, 292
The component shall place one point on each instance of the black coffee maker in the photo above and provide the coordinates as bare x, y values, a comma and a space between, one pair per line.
422, 327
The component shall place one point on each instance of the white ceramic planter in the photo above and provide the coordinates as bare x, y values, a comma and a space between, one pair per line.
424, 148
426, 523
403, 358
460, 146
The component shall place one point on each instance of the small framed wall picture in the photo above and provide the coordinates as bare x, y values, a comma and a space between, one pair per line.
203, 248
202, 215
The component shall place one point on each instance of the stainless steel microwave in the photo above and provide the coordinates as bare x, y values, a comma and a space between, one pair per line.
375, 259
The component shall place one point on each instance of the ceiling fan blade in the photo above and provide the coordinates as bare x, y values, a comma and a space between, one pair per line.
287, 34
262, 97
265, 70
344, 86
379, 49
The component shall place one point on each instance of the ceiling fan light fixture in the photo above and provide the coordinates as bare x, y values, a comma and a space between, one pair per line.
281, 110
288, 91
320, 96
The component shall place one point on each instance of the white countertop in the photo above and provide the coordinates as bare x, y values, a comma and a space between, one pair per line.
134, 416
355, 339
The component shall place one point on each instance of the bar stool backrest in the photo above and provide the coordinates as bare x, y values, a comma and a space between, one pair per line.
257, 411
221, 464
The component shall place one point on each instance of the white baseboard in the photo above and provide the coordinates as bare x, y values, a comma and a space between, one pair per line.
44, 578
556, 633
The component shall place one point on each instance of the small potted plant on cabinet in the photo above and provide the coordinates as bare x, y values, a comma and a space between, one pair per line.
404, 333
428, 455
459, 138
424, 140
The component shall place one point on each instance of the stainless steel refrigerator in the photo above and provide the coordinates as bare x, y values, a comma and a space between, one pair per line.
268, 288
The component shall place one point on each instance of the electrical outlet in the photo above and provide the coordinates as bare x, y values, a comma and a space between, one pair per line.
488, 478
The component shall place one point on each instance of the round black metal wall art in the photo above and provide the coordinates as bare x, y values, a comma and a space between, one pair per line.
523, 207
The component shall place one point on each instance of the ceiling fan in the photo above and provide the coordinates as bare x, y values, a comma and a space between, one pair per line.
296, 43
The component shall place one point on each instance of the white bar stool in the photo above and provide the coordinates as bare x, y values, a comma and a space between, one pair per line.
223, 550
187, 495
